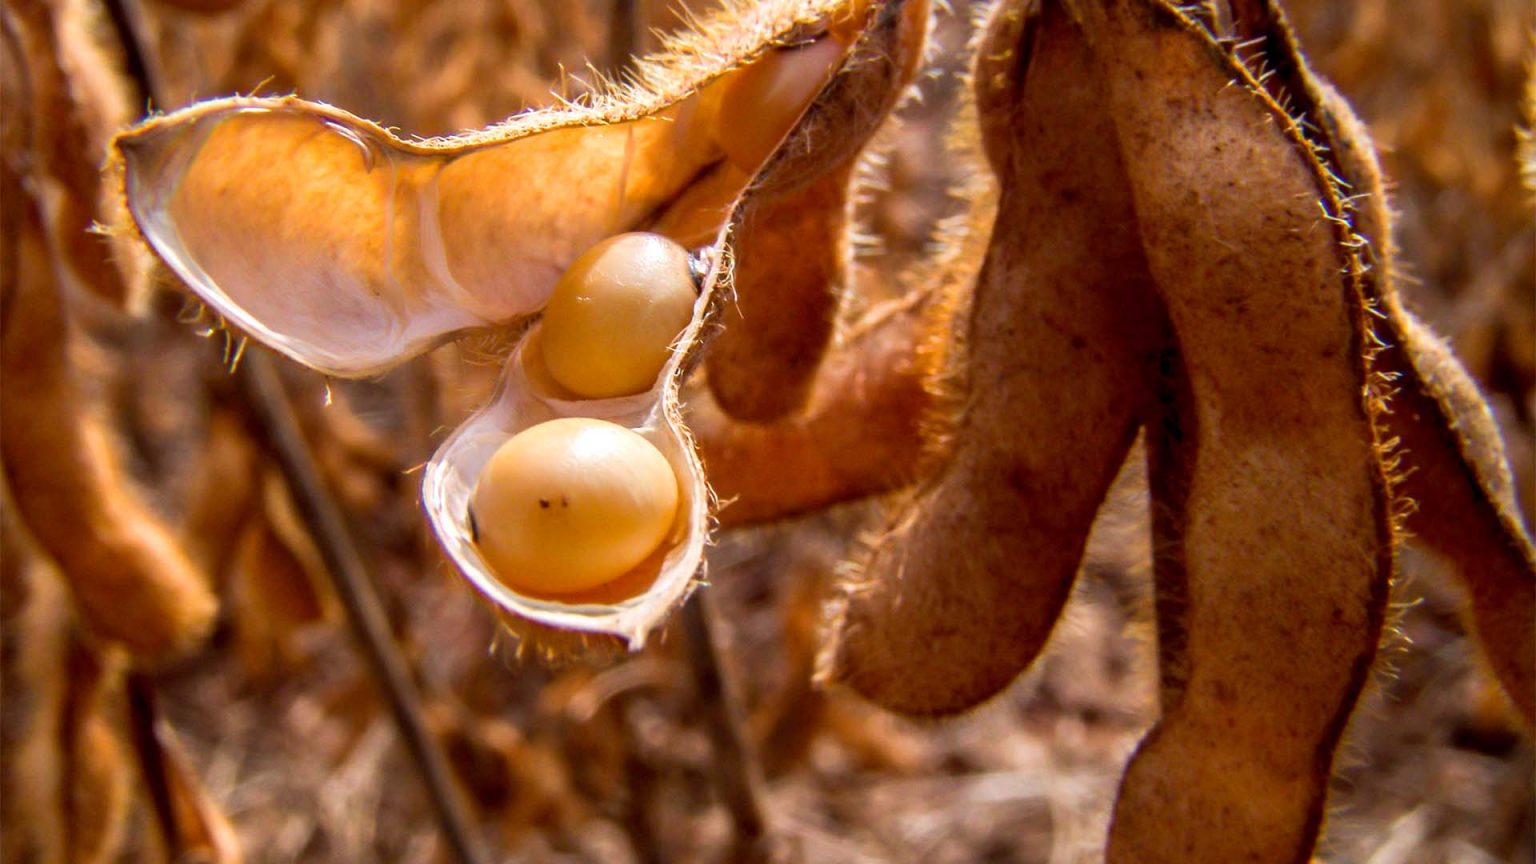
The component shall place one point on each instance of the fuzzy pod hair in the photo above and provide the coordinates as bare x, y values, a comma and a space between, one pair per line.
1452, 473
1249, 330
962, 591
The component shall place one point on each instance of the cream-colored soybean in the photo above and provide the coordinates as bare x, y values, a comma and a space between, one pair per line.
570, 504
610, 324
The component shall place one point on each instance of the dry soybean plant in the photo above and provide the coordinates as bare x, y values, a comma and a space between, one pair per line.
1173, 233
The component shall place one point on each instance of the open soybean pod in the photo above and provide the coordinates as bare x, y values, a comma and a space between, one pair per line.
349, 249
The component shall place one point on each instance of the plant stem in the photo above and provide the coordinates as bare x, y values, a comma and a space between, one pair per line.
269, 405
737, 776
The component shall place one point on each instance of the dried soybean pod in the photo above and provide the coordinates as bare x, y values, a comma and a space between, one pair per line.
1464, 509
348, 248
961, 594
790, 257
1272, 595
130, 580
37, 625
1452, 460
64, 782
790, 243
865, 428
858, 435
95, 766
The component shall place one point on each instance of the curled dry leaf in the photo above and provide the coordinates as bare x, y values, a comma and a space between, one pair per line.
349, 249
1191, 240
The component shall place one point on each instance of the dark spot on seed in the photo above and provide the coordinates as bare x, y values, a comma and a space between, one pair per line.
544, 503
564, 501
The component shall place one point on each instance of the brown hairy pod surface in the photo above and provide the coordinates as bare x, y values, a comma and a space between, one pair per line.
963, 590
1453, 467
358, 249
129, 579
1272, 587
1253, 331
859, 433
790, 250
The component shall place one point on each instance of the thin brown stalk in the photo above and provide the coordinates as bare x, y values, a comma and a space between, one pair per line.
143, 715
354, 587
737, 776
